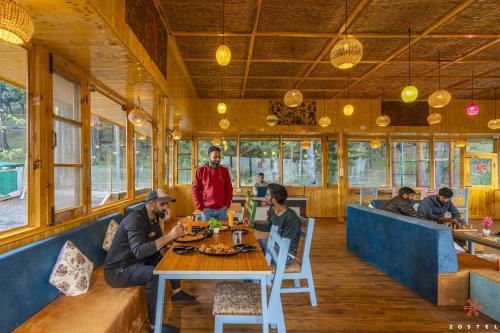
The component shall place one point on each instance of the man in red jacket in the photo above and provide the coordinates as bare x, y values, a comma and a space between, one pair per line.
212, 188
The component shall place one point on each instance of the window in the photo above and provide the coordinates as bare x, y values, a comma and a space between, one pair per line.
367, 166
301, 163
229, 158
13, 137
258, 156
479, 146
170, 161
446, 165
184, 162
67, 143
143, 159
333, 162
410, 163
108, 151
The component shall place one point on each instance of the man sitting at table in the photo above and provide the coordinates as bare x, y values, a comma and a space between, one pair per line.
434, 208
401, 204
260, 185
280, 215
138, 247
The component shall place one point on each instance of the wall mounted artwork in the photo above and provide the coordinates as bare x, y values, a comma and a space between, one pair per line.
304, 114
405, 114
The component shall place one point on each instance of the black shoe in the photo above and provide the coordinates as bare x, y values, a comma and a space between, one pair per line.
167, 329
182, 296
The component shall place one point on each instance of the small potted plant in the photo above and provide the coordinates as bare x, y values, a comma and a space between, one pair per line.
214, 224
487, 222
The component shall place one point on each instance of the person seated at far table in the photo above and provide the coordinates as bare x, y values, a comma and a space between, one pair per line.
259, 185
280, 215
401, 204
434, 208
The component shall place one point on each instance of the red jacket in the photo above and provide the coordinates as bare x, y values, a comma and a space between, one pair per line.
212, 188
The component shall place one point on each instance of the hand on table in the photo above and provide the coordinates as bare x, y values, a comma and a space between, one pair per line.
176, 232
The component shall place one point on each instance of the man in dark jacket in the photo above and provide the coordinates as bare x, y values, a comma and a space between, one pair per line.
138, 247
435, 206
212, 187
401, 204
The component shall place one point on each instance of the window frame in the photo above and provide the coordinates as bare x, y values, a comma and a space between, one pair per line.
388, 167
419, 138
300, 139
176, 160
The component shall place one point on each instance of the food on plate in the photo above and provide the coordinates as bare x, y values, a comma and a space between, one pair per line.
217, 249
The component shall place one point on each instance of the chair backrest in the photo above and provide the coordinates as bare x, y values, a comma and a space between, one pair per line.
395, 192
461, 202
307, 235
427, 192
367, 192
252, 208
278, 255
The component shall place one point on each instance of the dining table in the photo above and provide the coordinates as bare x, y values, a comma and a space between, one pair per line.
200, 266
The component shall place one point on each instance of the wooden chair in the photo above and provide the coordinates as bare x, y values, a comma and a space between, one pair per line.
301, 269
367, 192
241, 303
252, 209
461, 202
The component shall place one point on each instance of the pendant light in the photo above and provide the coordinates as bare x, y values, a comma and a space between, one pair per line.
217, 141
176, 134
223, 54
224, 123
472, 109
138, 117
375, 143
325, 120
293, 98
305, 145
434, 118
221, 107
460, 143
410, 93
272, 120
440, 97
494, 123
348, 108
383, 120
348, 51
16, 25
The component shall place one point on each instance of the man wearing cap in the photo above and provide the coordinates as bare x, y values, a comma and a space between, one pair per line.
212, 187
138, 247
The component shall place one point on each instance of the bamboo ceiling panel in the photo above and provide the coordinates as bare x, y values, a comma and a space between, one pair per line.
450, 49
14, 64
327, 70
268, 84
215, 82
204, 68
277, 69
479, 17
284, 47
211, 93
492, 54
193, 47
323, 84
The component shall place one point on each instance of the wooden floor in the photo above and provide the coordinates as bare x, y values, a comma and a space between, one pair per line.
353, 296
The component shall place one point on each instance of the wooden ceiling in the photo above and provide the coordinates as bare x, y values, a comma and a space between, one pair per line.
262, 34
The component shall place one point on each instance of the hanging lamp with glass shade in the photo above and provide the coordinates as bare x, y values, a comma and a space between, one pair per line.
221, 107
224, 123
494, 123
434, 118
460, 143
440, 97
293, 98
305, 145
409, 93
138, 117
16, 25
383, 120
348, 51
217, 140
271, 120
472, 109
176, 135
348, 108
325, 120
375, 143
223, 53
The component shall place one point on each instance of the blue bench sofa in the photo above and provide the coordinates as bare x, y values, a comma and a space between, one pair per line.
412, 251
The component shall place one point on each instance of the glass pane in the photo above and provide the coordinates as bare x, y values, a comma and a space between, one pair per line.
332, 162
143, 162
301, 167
442, 164
479, 146
184, 147
480, 172
66, 101
258, 156
184, 177
13, 137
367, 166
170, 162
67, 191
109, 161
184, 162
410, 163
457, 166
229, 157
68, 142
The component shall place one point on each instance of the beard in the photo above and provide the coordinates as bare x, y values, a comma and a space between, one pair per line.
214, 164
160, 213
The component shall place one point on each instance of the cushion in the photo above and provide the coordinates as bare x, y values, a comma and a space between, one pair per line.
293, 267
72, 271
110, 235
237, 298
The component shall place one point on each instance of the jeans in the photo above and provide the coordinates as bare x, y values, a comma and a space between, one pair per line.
140, 274
263, 246
219, 214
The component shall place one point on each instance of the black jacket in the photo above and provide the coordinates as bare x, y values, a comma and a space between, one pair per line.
401, 206
134, 241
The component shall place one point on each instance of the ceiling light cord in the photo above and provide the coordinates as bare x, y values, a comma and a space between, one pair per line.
409, 55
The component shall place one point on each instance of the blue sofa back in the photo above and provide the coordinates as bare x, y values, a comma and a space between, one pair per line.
25, 272
410, 250
130, 209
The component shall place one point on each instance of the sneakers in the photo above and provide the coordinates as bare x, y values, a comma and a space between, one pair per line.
182, 296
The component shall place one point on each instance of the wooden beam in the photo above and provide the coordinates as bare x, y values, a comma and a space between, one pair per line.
250, 48
475, 77
354, 13
343, 78
427, 31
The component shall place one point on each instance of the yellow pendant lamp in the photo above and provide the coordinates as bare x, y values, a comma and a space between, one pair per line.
434, 118
383, 121
224, 123
348, 51
271, 120
325, 120
16, 25
440, 97
223, 53
375, 144
348, 108
221, 107
494, 123
138, 116
176, 135
409, 93
460, 143
293, 98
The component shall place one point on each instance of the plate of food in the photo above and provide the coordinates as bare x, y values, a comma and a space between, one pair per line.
243, 231
183, 249
224, 227
245, 247
217, 250
189, 238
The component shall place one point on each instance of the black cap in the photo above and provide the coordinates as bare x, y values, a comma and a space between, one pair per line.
160, 195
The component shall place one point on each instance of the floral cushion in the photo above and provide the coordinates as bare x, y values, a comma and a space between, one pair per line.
110, 235
237, 298
72, 271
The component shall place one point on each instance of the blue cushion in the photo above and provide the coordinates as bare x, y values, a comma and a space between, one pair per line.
130, 209
25, 272
411, 250
487, 292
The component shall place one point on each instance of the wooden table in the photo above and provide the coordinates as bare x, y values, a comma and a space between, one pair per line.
197, 266
477, 237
